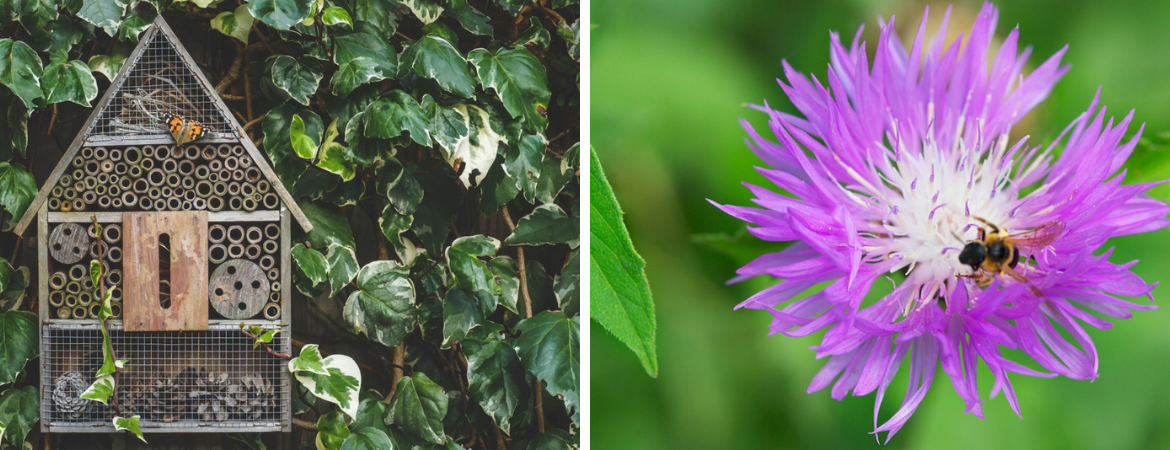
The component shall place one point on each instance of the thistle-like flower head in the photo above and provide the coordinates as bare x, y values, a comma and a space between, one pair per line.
892, 169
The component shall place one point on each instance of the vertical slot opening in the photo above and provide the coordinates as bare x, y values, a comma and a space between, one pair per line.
164, 270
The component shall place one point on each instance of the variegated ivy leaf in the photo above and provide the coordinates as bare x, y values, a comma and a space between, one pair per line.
105, 14
308, 361
18, 343
477, 151
311, 262
343, 266
110, 64
280, 14
535, 34
383, 306
2, 430
336, 158
418, 407
296, 77
202, 3
101, 389
68, 81
334, 15
425, 10
471, 273
132, 27
20, 70
340, 386
129, 424
236, 24
331, 431
447, 125
19, 411
548, 224
520, 81
433, 57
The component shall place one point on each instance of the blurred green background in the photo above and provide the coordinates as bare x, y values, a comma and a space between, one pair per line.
669, 80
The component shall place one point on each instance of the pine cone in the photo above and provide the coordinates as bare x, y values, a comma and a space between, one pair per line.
164, 400
133, 400
67, 395
210, 395
250, 398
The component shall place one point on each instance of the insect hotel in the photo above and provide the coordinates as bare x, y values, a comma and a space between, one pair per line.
194, 241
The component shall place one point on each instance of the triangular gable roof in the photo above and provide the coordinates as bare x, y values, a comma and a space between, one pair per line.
132, 113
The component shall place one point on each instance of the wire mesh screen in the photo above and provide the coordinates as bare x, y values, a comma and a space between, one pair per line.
185, 382
159, 81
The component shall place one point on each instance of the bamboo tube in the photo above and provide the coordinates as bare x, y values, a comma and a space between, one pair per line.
100, 190
199, 203
84, 298
125, 183
272, 231
64, 313
87, 152
115, 254
147, 152
224, 151
92, 167
252, 251
267, 262
96, 247
187, 205
273, 274
215, 165
115, 310
216, 233
116, 203
94, 309
69, 194
134, 171
235, 251
103, 201
247, 189
191, 152
71, 300
132, 155
274, 296
203, 189
113, 190
160, 204
89, 197
91, 231
57, 191
115, 293
147, 164
271, 201
129, 199
250, 204
186, 167
253, 235
245, 161
233, 188
87, 284
115, 154
201, 172
78, 176
79, 160
235, 234
101, 154
65, 181
173, 179
235, 204
174, 204
169, 165
187, 182
237, 150
219, 188
217, 253
80, 312
145, 203
215, 203
156, 177
54, 204
112, 233
120, 168
189, 195
154, 192
78, 272
106, 166
166, 192
238, 175
272, 311
57, 280
56, 298
275, 285
114, 277
231, 163
177, 152
213, 177
66, 206
78, 205
208, 152
270, 246
262, 186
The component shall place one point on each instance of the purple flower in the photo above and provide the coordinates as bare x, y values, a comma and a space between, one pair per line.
893, 169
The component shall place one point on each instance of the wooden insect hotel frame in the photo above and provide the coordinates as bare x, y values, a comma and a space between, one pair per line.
195, 242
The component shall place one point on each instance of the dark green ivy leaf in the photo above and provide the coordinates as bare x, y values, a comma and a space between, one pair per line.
132, 27
68, 81
550, 347
507, 275
280, 14
13, 126
370, 412
520, 81
296, 77
547, 224
535, 34
555, 173
551, 439
276, 125
401, 187
331, 431
461, 312
379, 13
18, 343
433, 57
471, 19
472, 274
329, 226
311, 262
433, 217
418, 407
362, 56
495, 377
567, 285
394, 113
446, 124
19, 411
383, 306
523, 163
20, 70
368, 439
105, 14
17, 189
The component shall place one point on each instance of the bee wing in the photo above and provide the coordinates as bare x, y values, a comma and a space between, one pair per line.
1040, 237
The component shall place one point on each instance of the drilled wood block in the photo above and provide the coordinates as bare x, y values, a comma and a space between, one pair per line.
239, 289
144, 308
68, 243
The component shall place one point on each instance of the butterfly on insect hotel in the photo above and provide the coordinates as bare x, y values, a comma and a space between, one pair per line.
182, 129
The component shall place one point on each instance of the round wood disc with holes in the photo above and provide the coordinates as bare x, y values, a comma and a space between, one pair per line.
68, 243
238, 289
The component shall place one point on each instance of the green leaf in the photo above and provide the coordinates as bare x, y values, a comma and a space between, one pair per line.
334, 15
105, 14
441, 29
539, 286
512, 6
236, 24
471, 19
280, 14
401, 187
478, 150
495, 377
418, 408
520, 81
461, 313
425, 10
362, 56
329, 226
551, 439
433, 57
523, 164
343, 266
433, 217
296, 77
19, 335
379, 13
340, 387
309, 360
535, 34
555, 173
20, 70
447, 126
336, 158
277, 126
572, 37
507, 275
550, 347
13, 126
370, 411
497, 188
310, 261
472, 274
383, 306
132, 27
95, 267
567, 285
547, 224
394, 113
331, 431
619, 292
19, 411
109, 65
394, 224
368, 439
129, 424
101, 389
12, 295
69, 81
